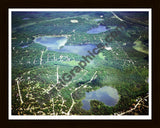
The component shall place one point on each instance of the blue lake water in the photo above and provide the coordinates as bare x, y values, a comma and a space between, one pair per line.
51, 42
108, 95
98, 19
97, 30
26, 18
25, 46
58, 44
77, 49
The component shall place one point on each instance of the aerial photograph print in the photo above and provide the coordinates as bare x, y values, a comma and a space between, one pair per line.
79, 63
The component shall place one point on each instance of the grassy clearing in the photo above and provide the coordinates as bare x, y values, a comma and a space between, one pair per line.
139, 46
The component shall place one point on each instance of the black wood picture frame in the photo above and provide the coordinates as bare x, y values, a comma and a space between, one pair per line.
6, 4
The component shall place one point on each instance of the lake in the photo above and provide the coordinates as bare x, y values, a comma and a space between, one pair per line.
77, 49
58, 44
97, 30
108, 95
51, 42
25, 46
100, 29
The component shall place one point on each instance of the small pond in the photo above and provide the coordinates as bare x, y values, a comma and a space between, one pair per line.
108, 95
26, 18
98, 20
